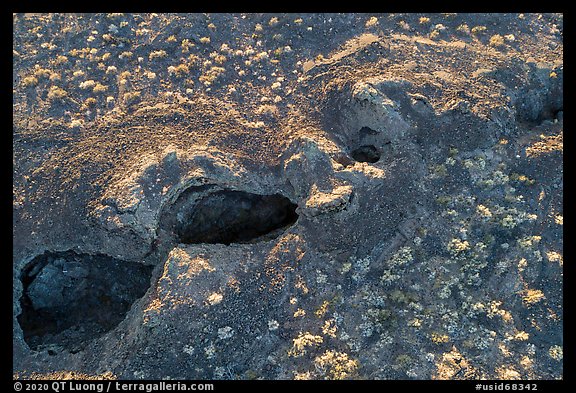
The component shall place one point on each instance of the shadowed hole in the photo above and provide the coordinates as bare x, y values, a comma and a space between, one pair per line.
366, 153
69, 299
234, 217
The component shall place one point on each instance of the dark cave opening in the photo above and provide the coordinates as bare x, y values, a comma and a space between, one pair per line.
229, 216
70, 299
366, 153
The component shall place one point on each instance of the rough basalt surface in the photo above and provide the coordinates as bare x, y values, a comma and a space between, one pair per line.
283, 196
